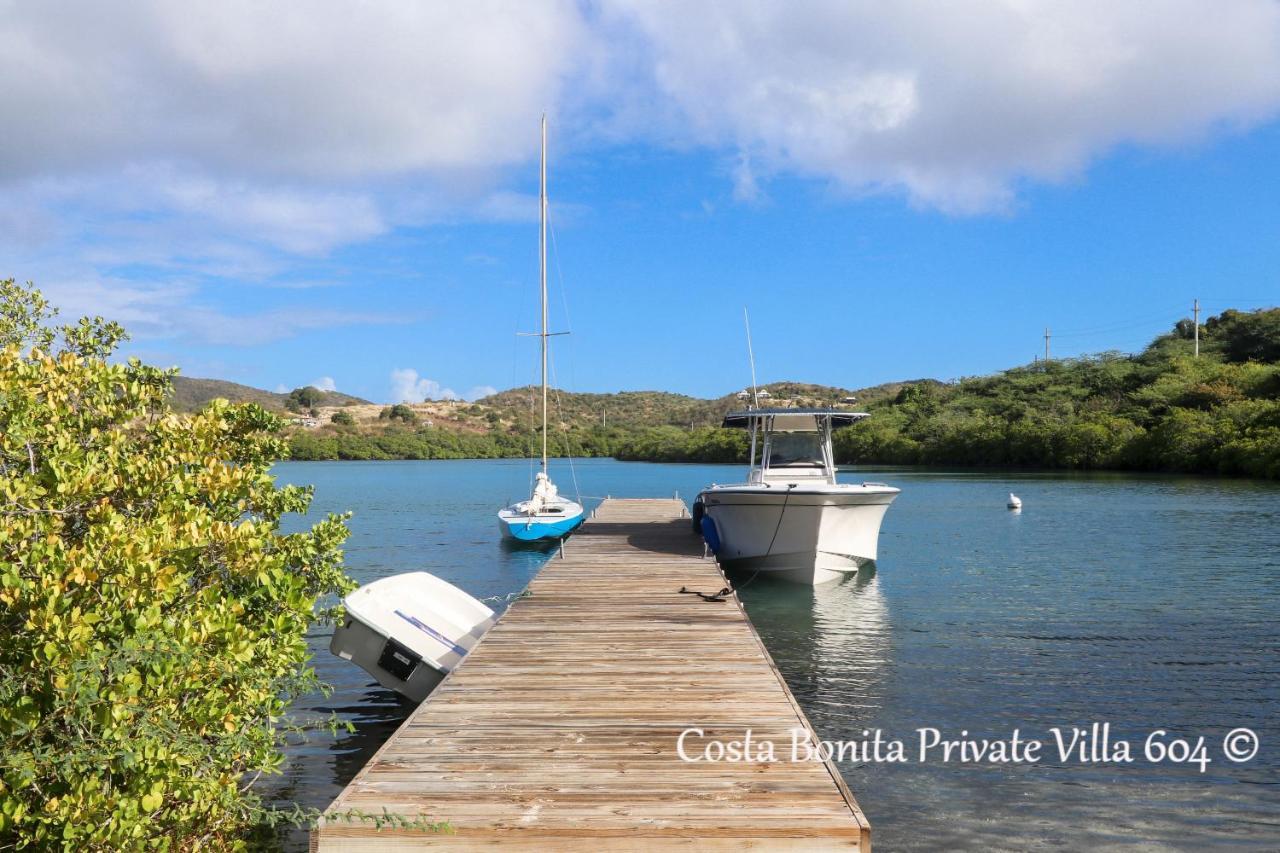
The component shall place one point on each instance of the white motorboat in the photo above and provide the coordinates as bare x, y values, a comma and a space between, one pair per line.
545, 516
408, 631
792, 519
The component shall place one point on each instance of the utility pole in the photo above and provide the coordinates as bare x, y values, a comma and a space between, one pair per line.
1195, 308
1046, 344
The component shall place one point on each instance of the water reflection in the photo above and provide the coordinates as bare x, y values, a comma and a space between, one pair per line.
375, 718
321, 763
521, 546
833, 643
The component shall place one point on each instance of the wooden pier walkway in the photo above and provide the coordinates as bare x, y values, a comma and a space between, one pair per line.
559, 730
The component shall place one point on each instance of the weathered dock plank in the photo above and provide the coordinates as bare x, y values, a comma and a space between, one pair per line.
559, 730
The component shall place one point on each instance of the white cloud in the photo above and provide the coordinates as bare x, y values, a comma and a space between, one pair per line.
324, 383
352, 90
175, 309
211, 325
300, 130
250, 129
950, 103
297, 221
236, 140
408, 387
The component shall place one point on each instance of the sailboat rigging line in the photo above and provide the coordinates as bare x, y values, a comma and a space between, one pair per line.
568, 446
564, 297
568, 322
529, 441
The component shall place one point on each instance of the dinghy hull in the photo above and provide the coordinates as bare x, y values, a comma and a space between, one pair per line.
537, 530
545, 517
378, 655
409, 631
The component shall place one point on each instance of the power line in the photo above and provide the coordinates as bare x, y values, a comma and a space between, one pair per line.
1118, 325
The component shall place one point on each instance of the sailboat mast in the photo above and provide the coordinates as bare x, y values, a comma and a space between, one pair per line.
542, 274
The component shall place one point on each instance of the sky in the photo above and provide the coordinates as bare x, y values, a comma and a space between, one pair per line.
348, 197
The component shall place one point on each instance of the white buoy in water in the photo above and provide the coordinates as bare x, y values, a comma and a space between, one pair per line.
1015, 502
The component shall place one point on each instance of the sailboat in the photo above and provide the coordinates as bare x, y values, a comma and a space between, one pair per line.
546, 515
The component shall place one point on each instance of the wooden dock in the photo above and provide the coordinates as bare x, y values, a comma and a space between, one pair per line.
559, 730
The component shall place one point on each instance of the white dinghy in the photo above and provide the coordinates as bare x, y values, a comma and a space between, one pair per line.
408, 631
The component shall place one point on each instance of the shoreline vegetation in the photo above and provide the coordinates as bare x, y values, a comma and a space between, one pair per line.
1161, 410
153, 618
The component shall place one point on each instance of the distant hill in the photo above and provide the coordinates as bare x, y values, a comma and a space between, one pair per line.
638, 409
626, 423
191, 394
516, 408
623, 409
1163, 409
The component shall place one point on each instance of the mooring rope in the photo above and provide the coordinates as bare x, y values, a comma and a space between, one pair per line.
713, 596
503, 599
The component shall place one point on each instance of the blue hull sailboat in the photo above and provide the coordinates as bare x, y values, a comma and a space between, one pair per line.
545, 516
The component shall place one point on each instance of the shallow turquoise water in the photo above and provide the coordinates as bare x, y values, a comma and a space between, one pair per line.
1146, 602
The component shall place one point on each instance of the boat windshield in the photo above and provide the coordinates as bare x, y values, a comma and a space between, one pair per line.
795, 449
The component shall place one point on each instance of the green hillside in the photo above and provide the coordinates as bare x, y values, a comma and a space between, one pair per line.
503, 424
641, 409
624, 409
191, 394
1162, 410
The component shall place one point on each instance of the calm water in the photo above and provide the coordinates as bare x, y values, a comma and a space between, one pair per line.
1146, 602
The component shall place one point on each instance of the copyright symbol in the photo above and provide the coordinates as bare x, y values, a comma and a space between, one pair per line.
1240, 745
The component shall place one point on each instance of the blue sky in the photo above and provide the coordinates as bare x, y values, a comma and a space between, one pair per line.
918, 198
